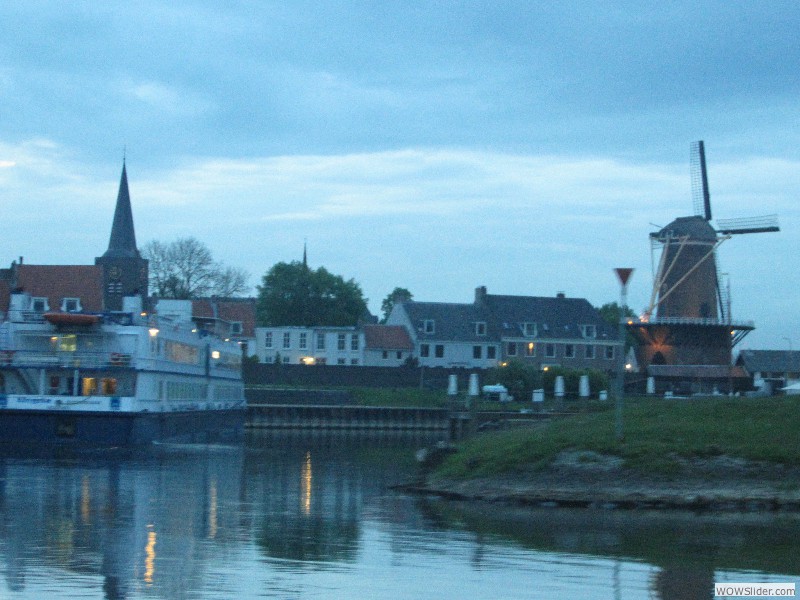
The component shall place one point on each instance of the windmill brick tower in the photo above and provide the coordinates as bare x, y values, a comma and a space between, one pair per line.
686, 336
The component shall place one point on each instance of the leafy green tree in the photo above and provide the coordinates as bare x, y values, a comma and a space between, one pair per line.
396, 296
611, 314
519, 378
293, 294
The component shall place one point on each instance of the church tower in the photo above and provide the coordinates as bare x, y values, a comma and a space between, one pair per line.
124, 269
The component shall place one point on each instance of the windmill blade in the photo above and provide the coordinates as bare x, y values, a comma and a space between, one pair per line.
700, 196
763, 224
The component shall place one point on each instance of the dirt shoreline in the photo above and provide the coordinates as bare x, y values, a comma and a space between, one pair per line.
585, 479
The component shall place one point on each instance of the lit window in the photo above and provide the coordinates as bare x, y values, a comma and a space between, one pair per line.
530, 349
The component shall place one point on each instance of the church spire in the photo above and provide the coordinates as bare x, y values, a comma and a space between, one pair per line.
123, 238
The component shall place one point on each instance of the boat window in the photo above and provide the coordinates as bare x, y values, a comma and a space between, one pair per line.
109, 386
88, 386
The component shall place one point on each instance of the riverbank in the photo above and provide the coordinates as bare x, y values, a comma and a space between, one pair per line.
714, 454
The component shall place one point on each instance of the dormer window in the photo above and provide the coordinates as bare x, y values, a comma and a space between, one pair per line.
589, 331
480, 328
71, 305
40, 305
528, 329
429, 326
236, 328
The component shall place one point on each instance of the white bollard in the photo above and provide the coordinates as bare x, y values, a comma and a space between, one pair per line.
559, 386
473, 385
651, 386
452, 385
537, 396
583, 386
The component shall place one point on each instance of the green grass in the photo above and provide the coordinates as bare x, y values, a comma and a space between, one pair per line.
656, 431
399, 397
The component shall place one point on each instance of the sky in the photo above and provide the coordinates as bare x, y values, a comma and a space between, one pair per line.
530, 147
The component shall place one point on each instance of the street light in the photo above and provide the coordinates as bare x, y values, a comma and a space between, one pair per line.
623, 274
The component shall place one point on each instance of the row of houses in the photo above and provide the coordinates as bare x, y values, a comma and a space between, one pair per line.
543, 331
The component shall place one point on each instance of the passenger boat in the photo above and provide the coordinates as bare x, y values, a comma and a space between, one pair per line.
116, 379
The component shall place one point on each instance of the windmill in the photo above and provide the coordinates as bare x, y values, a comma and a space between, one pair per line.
687, 346
687, 284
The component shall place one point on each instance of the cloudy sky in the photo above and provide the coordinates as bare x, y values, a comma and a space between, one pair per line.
527, 146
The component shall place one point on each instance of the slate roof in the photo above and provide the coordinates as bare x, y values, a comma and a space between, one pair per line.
696, 371
56, 282
776, 361
555, 318
387, 337
122, 242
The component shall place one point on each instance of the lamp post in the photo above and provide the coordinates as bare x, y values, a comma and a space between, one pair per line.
623, 274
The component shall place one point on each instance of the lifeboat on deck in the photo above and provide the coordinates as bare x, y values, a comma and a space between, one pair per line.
75, 319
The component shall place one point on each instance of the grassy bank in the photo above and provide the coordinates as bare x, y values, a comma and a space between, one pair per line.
658, 433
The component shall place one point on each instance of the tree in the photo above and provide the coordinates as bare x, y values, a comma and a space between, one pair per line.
185, 268
293, 294
398, 295
611, 314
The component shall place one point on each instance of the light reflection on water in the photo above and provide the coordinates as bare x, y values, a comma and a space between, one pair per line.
292, 515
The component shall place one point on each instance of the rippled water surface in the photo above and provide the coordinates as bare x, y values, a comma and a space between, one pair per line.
291, 515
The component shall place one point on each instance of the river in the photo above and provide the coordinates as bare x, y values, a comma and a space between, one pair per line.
301, 515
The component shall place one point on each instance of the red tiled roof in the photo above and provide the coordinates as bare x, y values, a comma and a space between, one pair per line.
56, 282
389, 337
242, 310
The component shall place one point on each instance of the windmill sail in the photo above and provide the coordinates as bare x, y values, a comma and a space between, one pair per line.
700, 196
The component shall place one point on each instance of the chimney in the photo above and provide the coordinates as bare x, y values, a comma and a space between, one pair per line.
560, 295
480, 295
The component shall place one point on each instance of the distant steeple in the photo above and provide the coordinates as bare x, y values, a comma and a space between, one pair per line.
123, 238
305, 255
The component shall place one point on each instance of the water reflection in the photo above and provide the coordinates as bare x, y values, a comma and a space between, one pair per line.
689, 551
291, 515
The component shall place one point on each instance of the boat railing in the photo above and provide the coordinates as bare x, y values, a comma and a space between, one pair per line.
86, 360
690, 321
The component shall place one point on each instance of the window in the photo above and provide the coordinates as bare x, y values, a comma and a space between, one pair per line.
530, 349
40, 304
480, 328
71, 305
399, 355
550, 350
236, 328
287, 340
491, 352
320, 341
589, 331
590, 351
268, 339
477, 352
286, 359
385, 355
569, 350
354, 362
340, 341
511, 349
609, 352
424, 350
439, 350
529, 329
430, 326
340, 361
303, 343
354, 342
